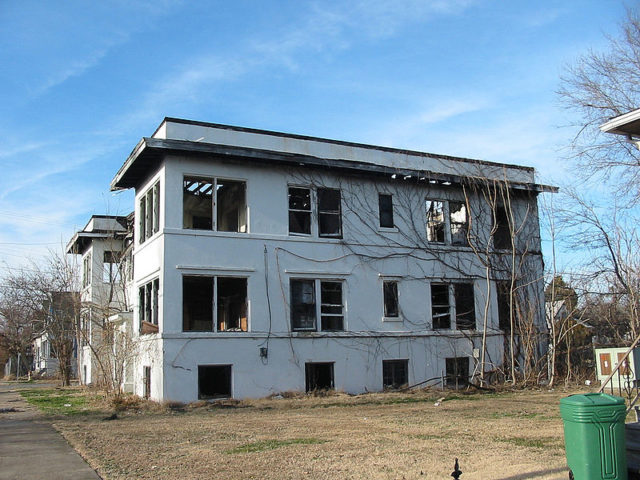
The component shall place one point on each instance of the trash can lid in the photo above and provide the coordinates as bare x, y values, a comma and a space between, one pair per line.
592, 399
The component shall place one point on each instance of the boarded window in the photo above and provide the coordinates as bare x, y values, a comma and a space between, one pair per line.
502, 233
458, 220
331, 306
390, 293
197, 304
329, 213
318, 376
395, 373
440, 306
457, 371
303, 305
300, 210
232, 304
435, 221
214, 381
385, 207
465, 306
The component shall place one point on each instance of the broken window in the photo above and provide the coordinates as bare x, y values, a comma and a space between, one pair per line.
435, 221
202, 197
197, 304
331, 306
453, 301
385, 207
457, 371
111, 267
214, 381
504, 303
149, 214
390, 294
86, 270
300, 210
458, 221
318, 376
232, 304
502, 229
440, 306
304, 308
395, 373
148, 306
198, 300
329, 213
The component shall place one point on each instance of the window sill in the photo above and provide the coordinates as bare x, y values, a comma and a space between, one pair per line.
392, 319
388, 229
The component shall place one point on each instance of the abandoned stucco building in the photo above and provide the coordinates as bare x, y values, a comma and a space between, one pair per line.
267, 262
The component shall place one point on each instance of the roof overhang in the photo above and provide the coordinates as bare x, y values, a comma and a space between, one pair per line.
81, 240
149, 153
627, 125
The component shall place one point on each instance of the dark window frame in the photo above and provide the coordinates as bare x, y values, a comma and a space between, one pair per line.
323, 218
149, 213
385, 210
312, 373
395, 373
502, 235
391, 299
458, 311
442, 227
205, 194
224, 373
319, 305
148, 306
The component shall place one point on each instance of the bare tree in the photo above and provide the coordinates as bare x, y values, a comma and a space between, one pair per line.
597, 87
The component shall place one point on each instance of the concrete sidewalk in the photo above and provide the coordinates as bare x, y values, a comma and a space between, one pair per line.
30, 448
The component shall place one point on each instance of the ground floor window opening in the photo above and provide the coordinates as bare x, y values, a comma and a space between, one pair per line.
457, 372
395, 373
214, 381
318, 376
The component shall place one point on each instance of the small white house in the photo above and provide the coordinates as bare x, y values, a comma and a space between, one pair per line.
45, 361
267, 262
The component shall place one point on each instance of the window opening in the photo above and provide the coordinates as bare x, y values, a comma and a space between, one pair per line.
197, 203
440, 306
390, 294
232, 304
149, 221
111, 267
318, 376
146, 381
457, 372
385, 206
300, 210
197, 303
458, 219
435, 221
465, 306
504, 320
231, 207
86, 270
148, 306
331, 306
502, 233
303, 305
329, 213
202, 195
214, 381
395, 373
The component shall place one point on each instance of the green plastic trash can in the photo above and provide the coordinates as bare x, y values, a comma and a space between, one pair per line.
594, 436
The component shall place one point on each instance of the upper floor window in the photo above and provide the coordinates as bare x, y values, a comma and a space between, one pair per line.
453, 301
390, 294
305, 309
385, 208
86, 270
447, 222
149, 214
201, 314
214, 204
501, 229
329, 211
111, 267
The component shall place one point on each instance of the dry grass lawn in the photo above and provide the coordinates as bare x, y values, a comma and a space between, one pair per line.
505, 436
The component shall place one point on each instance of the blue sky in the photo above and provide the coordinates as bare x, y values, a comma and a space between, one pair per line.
82, 82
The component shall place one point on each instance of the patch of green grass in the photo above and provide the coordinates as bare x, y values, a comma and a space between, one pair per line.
59, 401
263, 445
532, 442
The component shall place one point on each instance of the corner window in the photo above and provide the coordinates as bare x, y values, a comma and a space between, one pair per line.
390, 294
501, 229
447, 222
206, 199
305, 309
149, 213
385, 209
329, 211
453, 302
198, 313
148, 306
395, 373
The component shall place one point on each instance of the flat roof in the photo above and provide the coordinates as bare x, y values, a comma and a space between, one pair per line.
627, 124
